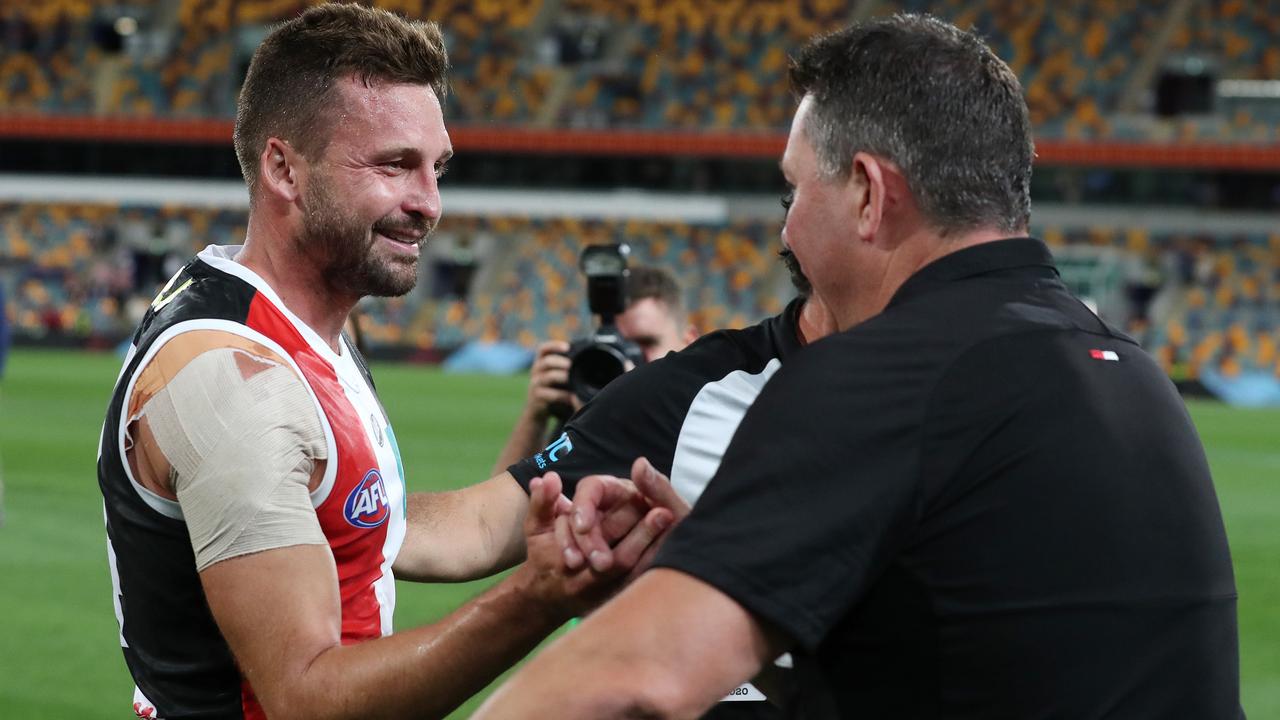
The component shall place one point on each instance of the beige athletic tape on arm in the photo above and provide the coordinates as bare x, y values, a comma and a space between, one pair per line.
242, 451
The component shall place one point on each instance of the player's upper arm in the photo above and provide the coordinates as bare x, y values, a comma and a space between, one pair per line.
279, 610
225, 427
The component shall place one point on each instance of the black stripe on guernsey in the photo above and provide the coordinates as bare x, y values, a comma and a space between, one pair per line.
172, 646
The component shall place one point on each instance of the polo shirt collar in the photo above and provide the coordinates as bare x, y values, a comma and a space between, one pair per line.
988, 257
787, 329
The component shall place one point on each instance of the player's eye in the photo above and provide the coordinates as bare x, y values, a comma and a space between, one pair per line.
787, 198
442, 169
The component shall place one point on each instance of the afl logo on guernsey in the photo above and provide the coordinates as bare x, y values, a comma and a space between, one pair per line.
367, 505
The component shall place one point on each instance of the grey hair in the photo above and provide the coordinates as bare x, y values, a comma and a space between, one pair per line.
933, 100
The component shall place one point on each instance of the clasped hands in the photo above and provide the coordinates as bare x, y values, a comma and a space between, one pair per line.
607, 535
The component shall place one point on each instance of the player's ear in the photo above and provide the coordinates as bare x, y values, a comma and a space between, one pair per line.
279, 168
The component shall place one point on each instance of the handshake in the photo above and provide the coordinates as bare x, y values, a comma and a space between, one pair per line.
582, 551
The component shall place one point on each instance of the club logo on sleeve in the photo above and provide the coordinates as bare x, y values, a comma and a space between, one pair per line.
367, 505
562, 446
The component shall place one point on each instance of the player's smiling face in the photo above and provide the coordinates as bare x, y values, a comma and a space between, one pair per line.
373, 197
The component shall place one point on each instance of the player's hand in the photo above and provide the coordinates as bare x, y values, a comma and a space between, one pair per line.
604, 507
549, 381
607, 509
573, 591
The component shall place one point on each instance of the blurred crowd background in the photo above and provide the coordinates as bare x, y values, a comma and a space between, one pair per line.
656, 123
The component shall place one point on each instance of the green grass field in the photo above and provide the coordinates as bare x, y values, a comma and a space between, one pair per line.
59, 655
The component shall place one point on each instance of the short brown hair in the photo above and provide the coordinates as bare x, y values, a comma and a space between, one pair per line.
646, 281
288, 91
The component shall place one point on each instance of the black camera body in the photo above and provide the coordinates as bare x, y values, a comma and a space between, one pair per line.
594, 361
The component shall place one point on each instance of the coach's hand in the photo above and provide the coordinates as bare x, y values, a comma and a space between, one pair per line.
572, 591
604, 506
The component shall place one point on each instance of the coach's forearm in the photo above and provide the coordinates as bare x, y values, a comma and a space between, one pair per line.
426, 672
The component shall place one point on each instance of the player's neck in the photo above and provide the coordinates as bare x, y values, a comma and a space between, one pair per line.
299, 281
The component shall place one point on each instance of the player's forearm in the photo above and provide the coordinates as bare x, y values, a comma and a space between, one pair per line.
444, 541
425, 672
526, 438
589, 675
570, 702
595, 689
620, 664
463, 534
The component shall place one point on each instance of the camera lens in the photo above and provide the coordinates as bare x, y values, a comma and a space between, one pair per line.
594, 367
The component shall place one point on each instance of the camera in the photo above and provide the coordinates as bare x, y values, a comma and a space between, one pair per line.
597, 359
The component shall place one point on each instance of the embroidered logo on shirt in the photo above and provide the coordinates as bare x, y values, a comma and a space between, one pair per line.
1104, 355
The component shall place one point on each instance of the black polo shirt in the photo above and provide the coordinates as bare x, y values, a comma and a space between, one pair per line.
982, 503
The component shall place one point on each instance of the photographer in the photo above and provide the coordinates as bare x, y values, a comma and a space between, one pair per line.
655, 320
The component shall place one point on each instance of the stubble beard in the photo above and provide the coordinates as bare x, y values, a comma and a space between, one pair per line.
798, 279
346, 247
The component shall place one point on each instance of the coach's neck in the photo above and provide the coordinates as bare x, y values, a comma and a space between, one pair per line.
890, 240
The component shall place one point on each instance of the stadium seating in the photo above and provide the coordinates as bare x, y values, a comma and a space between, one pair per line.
1072, 58
700, 65
680, 64
87, 272
1221, 297
55, 62
1237, 37
543, 294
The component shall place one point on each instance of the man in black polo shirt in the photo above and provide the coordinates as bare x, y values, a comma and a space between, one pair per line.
978, 501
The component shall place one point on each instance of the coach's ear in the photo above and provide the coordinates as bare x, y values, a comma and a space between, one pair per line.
867, 188
880, 194
280, 171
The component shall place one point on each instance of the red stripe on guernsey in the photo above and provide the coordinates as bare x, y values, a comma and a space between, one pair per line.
249, 704
357, 551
